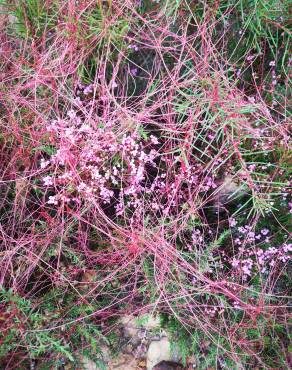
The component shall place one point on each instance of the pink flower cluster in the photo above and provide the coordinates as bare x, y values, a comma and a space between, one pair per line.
91, 162
95, 161
251, 261
247, 235
250, 257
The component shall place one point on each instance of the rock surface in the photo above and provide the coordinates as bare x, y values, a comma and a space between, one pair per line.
143, 345
131, 327
227, 191
124, 362
160, 351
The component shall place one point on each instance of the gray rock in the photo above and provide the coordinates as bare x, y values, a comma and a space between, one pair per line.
229, 190
160, 351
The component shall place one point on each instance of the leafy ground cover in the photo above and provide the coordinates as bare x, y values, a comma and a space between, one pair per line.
145, 168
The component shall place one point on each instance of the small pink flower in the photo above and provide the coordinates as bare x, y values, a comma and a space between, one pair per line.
133, 46
44, 163
235, 262
134, 71
265, 231
232, 222
154, 140
48, 180
52, 200
251, 167
71, 114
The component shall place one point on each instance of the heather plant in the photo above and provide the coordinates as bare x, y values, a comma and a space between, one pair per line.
145, 167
